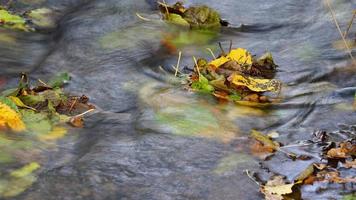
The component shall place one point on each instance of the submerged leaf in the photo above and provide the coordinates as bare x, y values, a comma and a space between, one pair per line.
25, 170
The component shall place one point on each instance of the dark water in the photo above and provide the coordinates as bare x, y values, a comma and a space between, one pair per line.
150, 139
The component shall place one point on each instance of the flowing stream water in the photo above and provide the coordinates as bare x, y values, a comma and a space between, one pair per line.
150, 138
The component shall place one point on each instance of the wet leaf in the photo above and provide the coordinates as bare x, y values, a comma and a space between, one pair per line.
264, 139
25, 170
18, 102
55, 134
12, 21
241, 56
230, 162
177, 19
59, 80
256, 84
202, 85
9, 102
41, 17
37, 123
9, 118
305, 174
346, 149
276, 188
202, 17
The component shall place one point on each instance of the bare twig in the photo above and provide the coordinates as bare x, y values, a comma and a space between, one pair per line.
143, 18
211, 52
43, 83
84, 113
340, 32
350, 24
177, 67
250, 176
230, 46
222, 49
165, 6
196, 65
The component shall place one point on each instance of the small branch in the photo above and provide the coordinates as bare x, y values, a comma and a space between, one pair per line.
222, 50
350, 24
177, 67
340, 32
196, 65
211, 52
230, 46
250, 176
84, 113
143, 18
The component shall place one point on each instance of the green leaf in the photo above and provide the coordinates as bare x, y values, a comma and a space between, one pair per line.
12, 21
11, 104
235, 97
177, 19
203, 85
59, 80
202, 17
36, 123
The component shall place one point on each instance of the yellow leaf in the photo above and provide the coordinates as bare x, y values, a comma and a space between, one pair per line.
10, 119
56, 133
256, 84
279, 189
25, 170
241, 56
19, 103
219, 61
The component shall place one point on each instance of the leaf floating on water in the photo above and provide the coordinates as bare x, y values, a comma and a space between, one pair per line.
276, 188
256, 84
10, 119
25, 170
241, 56
264, 139
177, 19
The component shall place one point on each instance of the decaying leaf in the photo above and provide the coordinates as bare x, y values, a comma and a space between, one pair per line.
256, 84
346, 149
264, 139
196, 17
276, 188
10, 119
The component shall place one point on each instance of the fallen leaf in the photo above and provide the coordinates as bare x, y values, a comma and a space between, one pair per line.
56, 133
25, 170
276, 188
77, 122
12, 21
241, 56
256, 84
10, 119
264, 139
